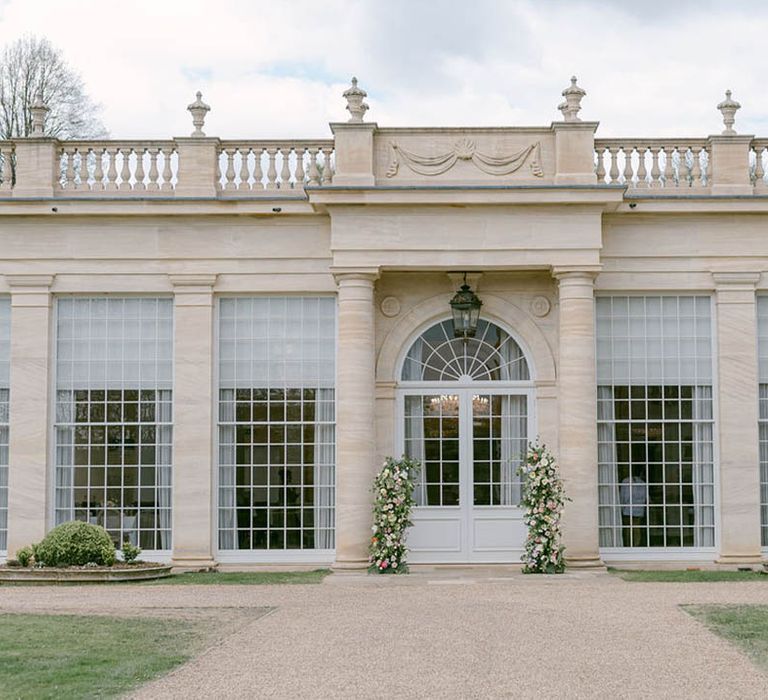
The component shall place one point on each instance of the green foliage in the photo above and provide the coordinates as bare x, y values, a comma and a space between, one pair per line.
25, 555
75, 544
393, 488
543, 501
688, 576
130, 552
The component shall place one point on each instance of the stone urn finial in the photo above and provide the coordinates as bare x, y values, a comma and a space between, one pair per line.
198, 109
728, 109
355, 105
573, 95
39, 111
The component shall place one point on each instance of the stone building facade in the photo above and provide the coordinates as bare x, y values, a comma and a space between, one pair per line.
209, 346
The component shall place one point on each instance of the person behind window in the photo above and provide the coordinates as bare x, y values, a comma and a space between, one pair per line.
633, 496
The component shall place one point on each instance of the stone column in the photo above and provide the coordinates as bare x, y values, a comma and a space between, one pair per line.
193, 403
355, 418
577, 396
739, 461
29, 486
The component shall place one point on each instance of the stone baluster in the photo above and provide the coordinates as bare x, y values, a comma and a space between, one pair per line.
655, 171
84, 152
69, 169
258, 172
759, 169
98, 168
243, 174
682, 166
271, 169
600, 166
669, 173
229, 173
314, 173
628, 165
153, 173
327, 166
355, 431
642, 173
577, 394
285, 168
710, 166
140, 174
125, 170
696, 166
613, 173
167, 174
111, 183
299, 174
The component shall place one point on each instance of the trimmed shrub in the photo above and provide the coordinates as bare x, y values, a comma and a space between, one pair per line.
130, 552
24, 556
75, 544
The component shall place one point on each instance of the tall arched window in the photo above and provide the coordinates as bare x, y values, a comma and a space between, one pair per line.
438, 356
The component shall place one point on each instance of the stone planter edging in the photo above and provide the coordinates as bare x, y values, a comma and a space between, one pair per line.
19, 574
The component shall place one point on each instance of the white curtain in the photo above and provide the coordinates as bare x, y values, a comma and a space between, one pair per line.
514, 441
227, 470
65, 457
3, 467
163, 468
414, 419
325, 472
764, 462
608, 476
703, 468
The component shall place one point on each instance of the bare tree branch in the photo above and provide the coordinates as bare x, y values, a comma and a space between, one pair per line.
31, 66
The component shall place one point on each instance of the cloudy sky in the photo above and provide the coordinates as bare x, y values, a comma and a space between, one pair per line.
277, 68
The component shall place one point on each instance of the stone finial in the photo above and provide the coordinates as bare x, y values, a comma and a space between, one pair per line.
355, 105
198, 109
728, 109
39, 111
573, 95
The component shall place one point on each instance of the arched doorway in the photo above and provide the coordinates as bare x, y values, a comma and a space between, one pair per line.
465, 411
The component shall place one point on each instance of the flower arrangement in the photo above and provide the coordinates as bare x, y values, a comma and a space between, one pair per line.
393, 502
543, 500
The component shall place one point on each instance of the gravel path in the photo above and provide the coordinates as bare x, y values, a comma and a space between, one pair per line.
456, 634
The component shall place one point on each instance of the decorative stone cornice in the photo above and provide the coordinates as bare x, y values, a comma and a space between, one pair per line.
740, 279
29, 281
192, 280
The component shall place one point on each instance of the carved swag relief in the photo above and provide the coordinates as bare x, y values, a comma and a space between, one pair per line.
465, 149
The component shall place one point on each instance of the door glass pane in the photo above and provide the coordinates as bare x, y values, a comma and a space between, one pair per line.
499, 440
432, 437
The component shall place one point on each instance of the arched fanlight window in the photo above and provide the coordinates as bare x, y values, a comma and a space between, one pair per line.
492, 355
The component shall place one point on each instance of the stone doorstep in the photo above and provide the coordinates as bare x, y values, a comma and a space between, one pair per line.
20, 574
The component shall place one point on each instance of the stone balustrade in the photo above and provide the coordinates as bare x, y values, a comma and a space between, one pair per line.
127, 167
669, 164
258, 167
361, 154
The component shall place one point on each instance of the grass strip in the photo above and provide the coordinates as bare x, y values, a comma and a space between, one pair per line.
697, 576
745, 626
67, 656
242, 578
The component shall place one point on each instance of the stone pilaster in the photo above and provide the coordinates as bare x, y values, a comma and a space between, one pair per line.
193, 425
738, 417
29, 486
356, 418
577, 394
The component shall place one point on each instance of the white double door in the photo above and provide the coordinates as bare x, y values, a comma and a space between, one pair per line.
470, 442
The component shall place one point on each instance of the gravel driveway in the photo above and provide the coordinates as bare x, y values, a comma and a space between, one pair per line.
453, 634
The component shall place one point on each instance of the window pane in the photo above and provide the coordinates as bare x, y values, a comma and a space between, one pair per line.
5, 356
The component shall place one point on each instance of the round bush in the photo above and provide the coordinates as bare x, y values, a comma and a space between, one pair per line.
76, 544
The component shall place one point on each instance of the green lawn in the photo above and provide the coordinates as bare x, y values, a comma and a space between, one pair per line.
248, 578
73, 656
688, 576
746, 626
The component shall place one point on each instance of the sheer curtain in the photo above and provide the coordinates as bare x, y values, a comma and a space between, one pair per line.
703, 468
227, 470
324, 468
164, 469
514, 441
65, 458
608, 476
414, 418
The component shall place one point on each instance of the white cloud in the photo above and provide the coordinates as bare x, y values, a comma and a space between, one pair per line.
274, 68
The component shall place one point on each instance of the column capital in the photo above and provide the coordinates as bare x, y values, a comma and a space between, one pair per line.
192, 281
347, 274
587, 272
193, 290
29, 282
736, 279
30, 290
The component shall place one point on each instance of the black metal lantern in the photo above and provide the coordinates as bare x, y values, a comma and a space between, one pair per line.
465, 306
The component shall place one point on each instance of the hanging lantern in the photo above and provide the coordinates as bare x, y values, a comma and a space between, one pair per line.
465, 306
